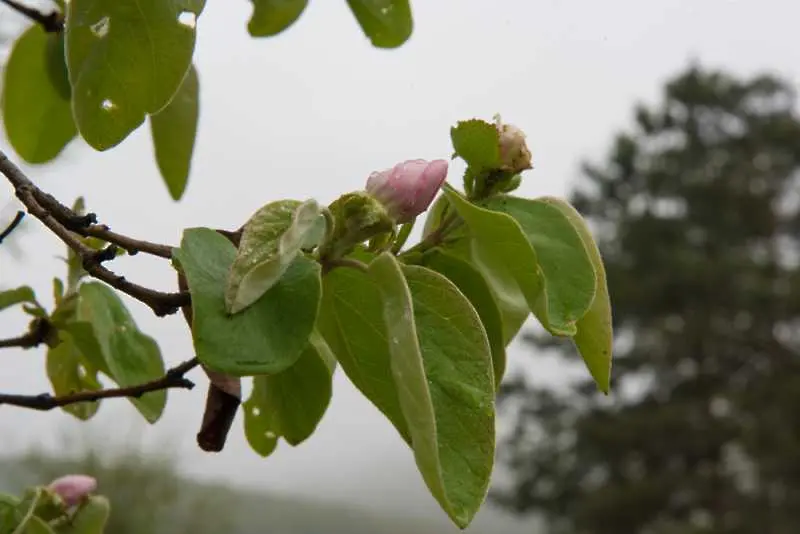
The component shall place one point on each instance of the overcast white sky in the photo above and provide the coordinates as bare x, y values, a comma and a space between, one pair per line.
311, 113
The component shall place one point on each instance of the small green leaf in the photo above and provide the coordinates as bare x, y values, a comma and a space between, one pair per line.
351, 322
12, 297
69, 373
271, 240
259, 425
36, 96
90, 518
267, 337
387, 23
569, 278
473, 285
271, 17
289, 404
149, 46
478, 143
174, 129
595, 335
502, 251
132, 358
58, 291
441, 364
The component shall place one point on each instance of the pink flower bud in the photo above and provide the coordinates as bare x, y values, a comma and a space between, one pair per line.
73, 488
514, 151
408, 188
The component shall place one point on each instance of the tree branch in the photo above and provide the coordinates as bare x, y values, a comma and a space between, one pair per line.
12, 225
173, 378
52, 22
37, 333
85, 225
161, 303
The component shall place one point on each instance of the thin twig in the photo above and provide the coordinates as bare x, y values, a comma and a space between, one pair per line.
37, 333
12, 226
52, 22
85, 225
161, 303
173, 378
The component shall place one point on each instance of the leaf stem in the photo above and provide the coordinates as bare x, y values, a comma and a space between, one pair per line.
22, 527
448, 224
37, 333
402, 236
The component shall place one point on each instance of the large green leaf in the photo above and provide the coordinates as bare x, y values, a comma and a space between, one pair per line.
441, 365
36, 96
569, 278
271, 17
505, 255
289, 404
595, 335
126, 59
387, 23
15, 296
132, 358
174, 129
474, 286
351, 322
266, 338
459, 242
477, 142
70, 373
270, 242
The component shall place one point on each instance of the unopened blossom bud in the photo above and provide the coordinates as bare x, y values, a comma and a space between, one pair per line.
514, 152
408, 188
73, 488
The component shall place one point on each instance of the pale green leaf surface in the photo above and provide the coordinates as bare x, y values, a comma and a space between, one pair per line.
442, 367
265, 338
270, 242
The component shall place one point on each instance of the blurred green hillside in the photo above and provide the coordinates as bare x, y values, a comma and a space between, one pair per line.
148, 496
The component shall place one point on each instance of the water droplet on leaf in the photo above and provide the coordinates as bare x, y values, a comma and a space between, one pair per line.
187, 18
101, 27
270, 434
107, 105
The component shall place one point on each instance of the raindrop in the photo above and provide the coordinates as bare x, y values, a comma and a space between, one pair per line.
107, 105
270, 435
256, 412
187, 18
100, 28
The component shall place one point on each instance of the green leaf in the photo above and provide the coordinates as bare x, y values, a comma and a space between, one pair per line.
271, 17
126, 59
36, 96
90, 518
502, 251
289, 404
478, 143
351, 322
510, 301
387, 23
473, 285
12, 297
267, 337
442, 366
132, 358
271, 240
174, 129
70, 373
58, 291
595, 335
569, 277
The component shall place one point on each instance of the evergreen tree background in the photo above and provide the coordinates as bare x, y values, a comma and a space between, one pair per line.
698, 209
